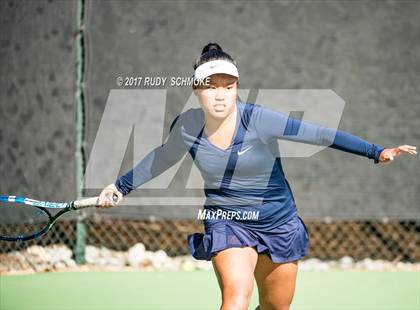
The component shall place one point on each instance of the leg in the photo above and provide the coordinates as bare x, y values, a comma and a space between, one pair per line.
234, 268
276, 283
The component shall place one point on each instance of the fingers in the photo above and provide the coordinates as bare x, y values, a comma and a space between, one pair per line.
408, 146
389, 155
407, 149
115, 197
102, 197
106, 197
104, 201
120, 197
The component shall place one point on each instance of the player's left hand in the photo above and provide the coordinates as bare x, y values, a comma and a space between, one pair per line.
388, 155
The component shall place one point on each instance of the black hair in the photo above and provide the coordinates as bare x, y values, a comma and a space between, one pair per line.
212, 51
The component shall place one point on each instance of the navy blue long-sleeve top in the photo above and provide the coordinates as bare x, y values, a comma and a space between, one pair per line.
248, 174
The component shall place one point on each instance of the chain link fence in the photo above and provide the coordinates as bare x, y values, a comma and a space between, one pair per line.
396, 241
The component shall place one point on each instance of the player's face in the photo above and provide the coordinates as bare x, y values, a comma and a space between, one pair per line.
219, 97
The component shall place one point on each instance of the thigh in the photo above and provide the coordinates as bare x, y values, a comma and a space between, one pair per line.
276, 283
234, 268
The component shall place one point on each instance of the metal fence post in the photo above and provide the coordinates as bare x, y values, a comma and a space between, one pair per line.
81, 232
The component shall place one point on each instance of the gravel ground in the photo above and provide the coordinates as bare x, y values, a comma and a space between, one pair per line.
59, 258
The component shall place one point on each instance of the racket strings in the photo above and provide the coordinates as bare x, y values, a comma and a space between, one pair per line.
18, 220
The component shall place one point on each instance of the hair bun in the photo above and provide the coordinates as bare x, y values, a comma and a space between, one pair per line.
211, 46
212, 51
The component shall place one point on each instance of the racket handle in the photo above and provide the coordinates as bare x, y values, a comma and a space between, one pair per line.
90, 202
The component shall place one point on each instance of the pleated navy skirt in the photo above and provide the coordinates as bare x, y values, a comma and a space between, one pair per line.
287, 242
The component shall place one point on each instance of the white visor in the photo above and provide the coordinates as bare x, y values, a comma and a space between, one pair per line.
213, 67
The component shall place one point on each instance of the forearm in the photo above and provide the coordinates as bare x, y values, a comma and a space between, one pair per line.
352, 144
153, 165
137, 176
337, 139
156, 162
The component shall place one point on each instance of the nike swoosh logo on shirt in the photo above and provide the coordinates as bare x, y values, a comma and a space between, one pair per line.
245, 150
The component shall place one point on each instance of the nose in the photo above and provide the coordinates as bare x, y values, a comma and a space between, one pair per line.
220, 93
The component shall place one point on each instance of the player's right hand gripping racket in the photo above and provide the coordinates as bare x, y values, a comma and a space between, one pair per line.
23, 219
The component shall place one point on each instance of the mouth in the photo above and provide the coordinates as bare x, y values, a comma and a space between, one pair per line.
219, 107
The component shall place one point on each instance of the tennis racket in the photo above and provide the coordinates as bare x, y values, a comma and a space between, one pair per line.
23, 219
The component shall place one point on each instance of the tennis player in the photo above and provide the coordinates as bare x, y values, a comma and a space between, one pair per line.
252, 228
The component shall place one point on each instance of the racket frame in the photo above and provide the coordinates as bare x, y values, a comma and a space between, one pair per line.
43, 206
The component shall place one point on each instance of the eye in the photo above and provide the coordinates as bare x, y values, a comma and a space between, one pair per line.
230, 87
